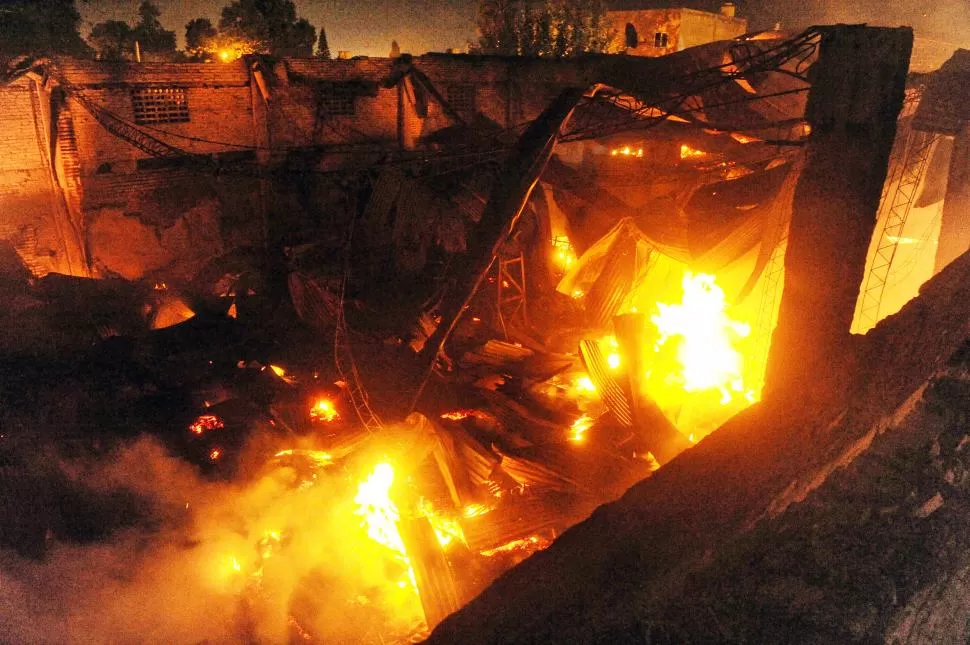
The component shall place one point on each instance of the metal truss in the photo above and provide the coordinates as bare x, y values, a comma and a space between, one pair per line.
347, 368
510, 291
899, 194
611, 111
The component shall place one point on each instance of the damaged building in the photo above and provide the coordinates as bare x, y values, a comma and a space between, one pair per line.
491, 350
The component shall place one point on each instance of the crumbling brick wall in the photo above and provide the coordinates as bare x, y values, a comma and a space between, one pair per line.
142, 213
32, 215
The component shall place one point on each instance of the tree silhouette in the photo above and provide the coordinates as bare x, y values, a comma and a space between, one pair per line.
556, 28
29, 27
150, 33
395, 50
323, 48
199, 34
272, 24
112, 40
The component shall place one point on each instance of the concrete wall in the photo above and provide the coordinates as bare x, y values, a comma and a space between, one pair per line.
684, 28
702, 27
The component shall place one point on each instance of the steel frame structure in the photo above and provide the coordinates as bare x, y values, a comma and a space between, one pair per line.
902, 187
511, 299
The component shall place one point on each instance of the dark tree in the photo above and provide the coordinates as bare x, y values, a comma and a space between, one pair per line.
323, 48
112, 40
199, 33
150, 33
555, 28
300, 40
273, 24
32, 27
499, 22
395, 50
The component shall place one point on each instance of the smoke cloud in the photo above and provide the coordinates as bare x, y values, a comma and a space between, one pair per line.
211, 561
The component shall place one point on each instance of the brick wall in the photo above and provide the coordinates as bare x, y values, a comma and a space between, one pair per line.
32, 217
136, 219
219, 103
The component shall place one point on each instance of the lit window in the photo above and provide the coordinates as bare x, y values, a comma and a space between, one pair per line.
461, 98
660, 39
338, 100
154, 105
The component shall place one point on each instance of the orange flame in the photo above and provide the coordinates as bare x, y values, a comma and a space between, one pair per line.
205, 423
564, 254
324, 410
577, 432
687, 152
458, 415
379, 513
706, 337
530, 544
627, 151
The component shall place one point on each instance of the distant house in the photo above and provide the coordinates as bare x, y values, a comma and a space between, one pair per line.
657, 32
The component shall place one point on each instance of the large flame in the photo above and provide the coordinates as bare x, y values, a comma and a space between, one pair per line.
564, 254
324, 410
706, 339
379, 512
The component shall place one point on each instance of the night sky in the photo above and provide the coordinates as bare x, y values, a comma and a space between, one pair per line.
368, 26
360, 26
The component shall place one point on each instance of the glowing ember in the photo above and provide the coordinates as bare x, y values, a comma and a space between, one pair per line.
215, 454
205, 423
475, 510
324, 410
446, 529
627, 151
612, 350
564, 254
705, 339
577, 294
318, 458
744, 138
379, 513
527, 545
584, 384
686, 152
458, 415
577, 433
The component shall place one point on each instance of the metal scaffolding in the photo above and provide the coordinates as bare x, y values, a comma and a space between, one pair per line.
510, 291
902, 187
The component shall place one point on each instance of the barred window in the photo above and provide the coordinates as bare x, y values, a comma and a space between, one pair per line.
338, 100
154, 105
660, 39
461, 98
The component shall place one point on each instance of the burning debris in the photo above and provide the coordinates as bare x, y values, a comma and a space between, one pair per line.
341, 452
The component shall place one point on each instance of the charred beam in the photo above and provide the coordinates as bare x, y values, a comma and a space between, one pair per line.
505, 204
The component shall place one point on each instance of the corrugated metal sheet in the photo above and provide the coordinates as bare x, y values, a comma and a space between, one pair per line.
612, 394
